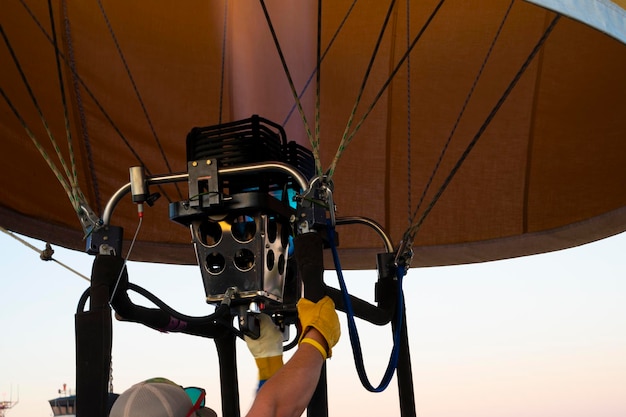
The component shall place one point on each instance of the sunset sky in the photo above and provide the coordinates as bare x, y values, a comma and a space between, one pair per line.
536, 336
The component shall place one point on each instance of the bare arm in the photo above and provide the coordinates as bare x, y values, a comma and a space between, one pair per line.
289, 391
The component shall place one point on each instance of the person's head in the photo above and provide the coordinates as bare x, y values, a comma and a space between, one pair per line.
160, 397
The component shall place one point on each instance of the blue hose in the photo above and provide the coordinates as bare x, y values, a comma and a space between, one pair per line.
354, 334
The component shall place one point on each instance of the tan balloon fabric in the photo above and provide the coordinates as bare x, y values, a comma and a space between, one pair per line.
547, 173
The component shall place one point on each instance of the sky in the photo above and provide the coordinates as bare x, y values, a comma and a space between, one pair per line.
543, 335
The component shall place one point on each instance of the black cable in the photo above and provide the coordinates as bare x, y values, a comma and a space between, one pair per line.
137, 93
222, 75
292, 86
394, 72
294, 342
319, 63
73, 176
413, 229
82, 301
96, 101
461, 113
218, 313
82, 118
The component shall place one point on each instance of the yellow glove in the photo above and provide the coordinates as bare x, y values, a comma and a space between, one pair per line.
267, 349
321, 316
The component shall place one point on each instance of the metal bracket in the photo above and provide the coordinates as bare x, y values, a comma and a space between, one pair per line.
89, 220
314, 204
404, 254
105, 240
203, 183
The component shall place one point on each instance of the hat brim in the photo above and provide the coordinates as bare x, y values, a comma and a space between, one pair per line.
206, 412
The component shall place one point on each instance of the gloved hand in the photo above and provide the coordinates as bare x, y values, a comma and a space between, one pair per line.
267, 349
321, 316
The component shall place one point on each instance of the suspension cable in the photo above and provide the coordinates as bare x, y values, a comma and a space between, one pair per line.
137, 93
410, 233
95, 101
408, 112
314, 143
42, 254
318, 72
82, 118
223, 74
73, 178
346, 140
462, 112
42, 151
362, 87
85, 215
332, 40
87, 218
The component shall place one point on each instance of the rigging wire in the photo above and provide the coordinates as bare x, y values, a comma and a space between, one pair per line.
346, 141
137, 93
224, 33
73, 178
130, 249
42, 253
314, 143
95, 101
408, 111
461, 113
77, 199
80, 105
318, 72
308, 81
85, 215
410, 233
368, 70
30, 133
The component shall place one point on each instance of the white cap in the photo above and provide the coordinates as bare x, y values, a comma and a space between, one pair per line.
156, 398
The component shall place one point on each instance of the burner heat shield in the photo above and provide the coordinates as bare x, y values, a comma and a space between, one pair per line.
242, 224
